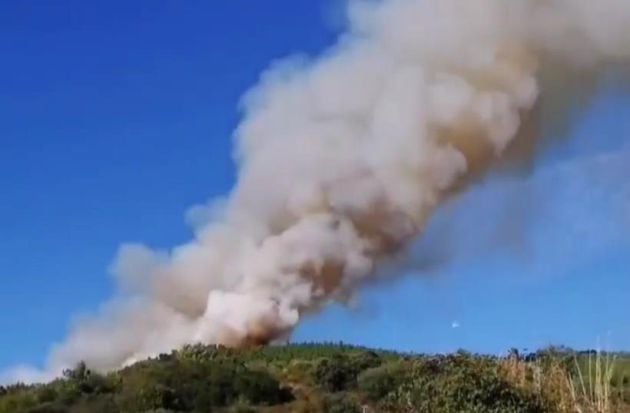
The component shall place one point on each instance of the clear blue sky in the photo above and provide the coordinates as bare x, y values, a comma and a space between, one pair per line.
116, 116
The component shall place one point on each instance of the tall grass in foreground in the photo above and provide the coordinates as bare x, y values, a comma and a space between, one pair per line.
569, 383
593, 392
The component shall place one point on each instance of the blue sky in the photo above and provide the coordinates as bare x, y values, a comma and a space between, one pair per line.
116, 117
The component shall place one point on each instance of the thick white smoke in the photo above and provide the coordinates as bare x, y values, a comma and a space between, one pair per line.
342, 160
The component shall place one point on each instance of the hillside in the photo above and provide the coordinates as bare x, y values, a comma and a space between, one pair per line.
337, 379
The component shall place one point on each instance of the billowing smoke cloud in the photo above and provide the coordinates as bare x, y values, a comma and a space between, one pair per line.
343, 158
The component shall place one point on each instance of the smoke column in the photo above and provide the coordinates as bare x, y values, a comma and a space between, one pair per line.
343, 158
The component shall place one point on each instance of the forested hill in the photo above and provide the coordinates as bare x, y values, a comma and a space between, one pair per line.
336, 379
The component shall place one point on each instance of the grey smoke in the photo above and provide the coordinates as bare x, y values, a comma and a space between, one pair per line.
342, 160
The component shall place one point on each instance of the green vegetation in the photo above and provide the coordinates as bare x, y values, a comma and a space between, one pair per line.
337, 379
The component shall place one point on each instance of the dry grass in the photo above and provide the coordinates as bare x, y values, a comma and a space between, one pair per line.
580, 385
591, 385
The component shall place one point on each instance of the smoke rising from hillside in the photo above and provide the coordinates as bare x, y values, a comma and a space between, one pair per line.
342, 160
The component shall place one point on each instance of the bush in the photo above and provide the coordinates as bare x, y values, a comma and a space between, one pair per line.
365, 360
147, 397
341, 403
46, 394
13, 402
196, 353
340, 371
51, 409
259, 387
461, 383
378, 382
334, 374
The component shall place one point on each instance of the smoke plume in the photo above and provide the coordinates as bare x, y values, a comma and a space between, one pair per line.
343, 158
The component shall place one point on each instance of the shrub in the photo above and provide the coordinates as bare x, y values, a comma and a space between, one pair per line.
259, 387
339, 371
341, 403
16, 402
460, 383
336, 373
365, 360
378, 382
46, 394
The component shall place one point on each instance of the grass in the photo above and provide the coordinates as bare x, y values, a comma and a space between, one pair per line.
587, 382
593, 390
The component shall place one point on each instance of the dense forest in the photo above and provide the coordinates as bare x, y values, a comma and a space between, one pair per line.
337, 379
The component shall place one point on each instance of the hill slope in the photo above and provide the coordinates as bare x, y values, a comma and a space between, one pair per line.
336, 379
